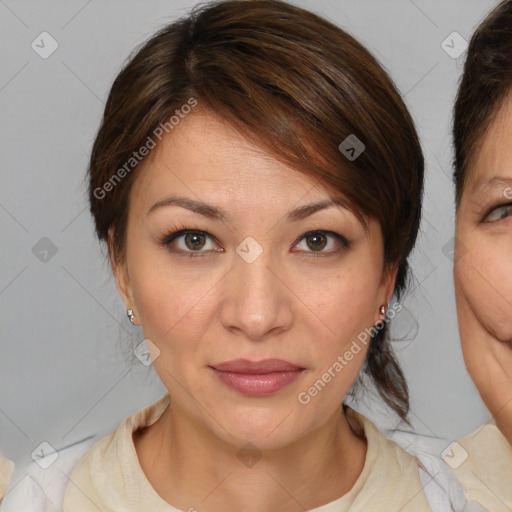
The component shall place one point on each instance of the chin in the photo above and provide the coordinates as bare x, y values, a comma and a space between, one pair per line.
266, 429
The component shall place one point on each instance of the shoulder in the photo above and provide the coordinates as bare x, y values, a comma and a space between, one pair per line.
443, 491
80, 486
390, 474
95, 479
381, 448
482, 461
6, 471
39, 486
43, 485
108, 476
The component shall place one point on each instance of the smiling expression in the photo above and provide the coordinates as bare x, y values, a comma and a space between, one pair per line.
483, 268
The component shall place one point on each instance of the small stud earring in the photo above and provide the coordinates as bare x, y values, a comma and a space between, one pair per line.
383, 310
131, 316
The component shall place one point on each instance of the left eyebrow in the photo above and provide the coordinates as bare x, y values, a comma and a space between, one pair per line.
495, 181
306, 210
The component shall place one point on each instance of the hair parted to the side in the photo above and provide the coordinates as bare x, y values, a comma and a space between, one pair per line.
485, 83
295, 85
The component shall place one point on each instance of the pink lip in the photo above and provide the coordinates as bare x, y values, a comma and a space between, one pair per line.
257, 367
257, 378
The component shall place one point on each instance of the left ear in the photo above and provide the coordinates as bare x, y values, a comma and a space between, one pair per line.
386, 288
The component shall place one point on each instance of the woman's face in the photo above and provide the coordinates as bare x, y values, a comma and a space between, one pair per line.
483, 269
248, 286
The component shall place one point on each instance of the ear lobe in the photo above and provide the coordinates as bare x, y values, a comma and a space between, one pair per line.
386, 290
387, 287
120, 272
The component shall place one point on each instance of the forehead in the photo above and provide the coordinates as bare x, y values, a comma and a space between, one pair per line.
206, 156
492, 162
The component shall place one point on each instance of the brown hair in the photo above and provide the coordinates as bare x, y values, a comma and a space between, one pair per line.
486, 82
297, 86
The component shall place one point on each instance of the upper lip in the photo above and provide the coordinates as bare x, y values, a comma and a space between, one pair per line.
256, 367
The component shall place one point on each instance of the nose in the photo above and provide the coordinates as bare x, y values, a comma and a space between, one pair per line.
256, 302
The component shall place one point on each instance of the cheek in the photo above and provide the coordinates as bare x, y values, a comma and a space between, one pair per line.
484, 274
165, 296
172, 306
347, 303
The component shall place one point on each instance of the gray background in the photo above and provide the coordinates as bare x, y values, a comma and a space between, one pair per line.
65, 370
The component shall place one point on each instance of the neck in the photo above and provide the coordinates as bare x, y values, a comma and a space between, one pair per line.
189, 466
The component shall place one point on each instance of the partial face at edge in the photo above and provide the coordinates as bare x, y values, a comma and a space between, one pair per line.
483, 269
304, 299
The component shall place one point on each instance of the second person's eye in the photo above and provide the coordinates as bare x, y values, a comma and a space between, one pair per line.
499, 213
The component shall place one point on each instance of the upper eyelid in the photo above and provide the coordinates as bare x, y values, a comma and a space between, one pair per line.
498, 205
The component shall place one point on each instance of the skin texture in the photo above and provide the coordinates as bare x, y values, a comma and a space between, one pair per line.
483, 269
286, 304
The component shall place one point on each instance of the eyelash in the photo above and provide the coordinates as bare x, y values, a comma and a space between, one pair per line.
180, 230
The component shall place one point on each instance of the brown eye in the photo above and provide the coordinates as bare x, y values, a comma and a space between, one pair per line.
194, 241
189, 242
317, 242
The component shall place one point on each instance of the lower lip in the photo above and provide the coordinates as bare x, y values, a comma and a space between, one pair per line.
257, 385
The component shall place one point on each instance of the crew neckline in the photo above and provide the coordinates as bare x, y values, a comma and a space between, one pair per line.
154, 411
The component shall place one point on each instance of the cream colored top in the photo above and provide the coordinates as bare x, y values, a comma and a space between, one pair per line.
6, 471
109, 477
482, 461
